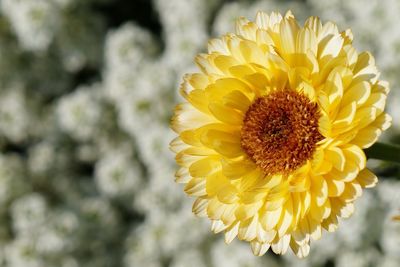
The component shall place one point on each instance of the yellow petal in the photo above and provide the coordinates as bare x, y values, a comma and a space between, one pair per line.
335, 187
228, 216
217, 45
365, 65
328, 29
288, 31
314, 24
306, 40
224, 86
217, 226
252, 53
281, 245
231, 233
236, 169
196, 187
331, 223
315, 228
349, 173
352, 191
377, 100
334, 90
225, 62
248, 229
204, 62
187, 117
367, 179
355, 154
200, 207
237, 100
319, 189
341, 208
258, 248
225, 143
300, 251
226, 114
316, 211
262, 20
182, 175
336, 156
228, 195
246, 211
241, 71
269, 219
383, 121
246, 28
330, 46
177, 145
215, 209
215, 183
324, 125
358, 93
365, 116
204, 167
367, 137
286, 218
345, 117
264, 236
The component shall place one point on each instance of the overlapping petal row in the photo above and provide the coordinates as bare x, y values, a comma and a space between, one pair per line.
276, 53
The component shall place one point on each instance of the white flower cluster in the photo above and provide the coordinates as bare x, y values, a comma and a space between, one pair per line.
41, 25
86, 176
34, 21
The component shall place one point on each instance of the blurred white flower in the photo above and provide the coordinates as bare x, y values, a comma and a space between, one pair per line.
129, 46
368, 257
56, 236
391, 239
34, 21
28, 213
146, 103
79, 112
41, 157
13, 182
389, 192
15, 117
237, 255
21, 253
117, 174
389, 262
226, 18
99, 212
189, 257
394, 108
141, 249
185, 32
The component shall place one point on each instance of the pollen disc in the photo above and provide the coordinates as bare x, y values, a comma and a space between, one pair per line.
280, 131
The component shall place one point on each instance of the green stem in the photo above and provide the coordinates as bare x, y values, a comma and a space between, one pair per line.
387, 152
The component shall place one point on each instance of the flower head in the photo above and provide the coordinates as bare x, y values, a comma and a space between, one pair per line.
272, 132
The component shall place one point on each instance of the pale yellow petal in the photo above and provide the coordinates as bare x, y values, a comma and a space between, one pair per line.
258, 248
231, 233
200, 207
205, 166
367, 179
196, 187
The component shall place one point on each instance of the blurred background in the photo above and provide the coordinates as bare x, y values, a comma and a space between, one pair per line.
87, 89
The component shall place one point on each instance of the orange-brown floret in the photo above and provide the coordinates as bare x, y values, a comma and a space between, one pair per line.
280, 131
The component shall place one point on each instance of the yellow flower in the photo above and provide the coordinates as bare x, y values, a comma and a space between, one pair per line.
271, 135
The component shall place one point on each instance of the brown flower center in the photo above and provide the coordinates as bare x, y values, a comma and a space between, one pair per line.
280, 131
